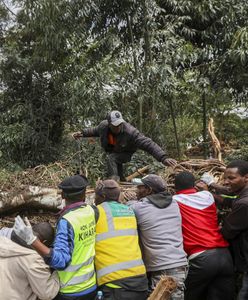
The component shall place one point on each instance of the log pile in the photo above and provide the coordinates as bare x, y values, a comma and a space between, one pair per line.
34, 192
195, 166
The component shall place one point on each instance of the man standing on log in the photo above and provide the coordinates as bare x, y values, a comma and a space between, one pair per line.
74, 246
120, 140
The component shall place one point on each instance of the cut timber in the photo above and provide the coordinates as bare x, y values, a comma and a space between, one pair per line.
139, 172
215, 141
164, 289
30, 196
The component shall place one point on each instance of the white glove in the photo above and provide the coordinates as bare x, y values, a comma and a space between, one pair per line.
207, 178
23, 229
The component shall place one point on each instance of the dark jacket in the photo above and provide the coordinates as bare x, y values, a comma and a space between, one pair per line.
235, 229
128, 140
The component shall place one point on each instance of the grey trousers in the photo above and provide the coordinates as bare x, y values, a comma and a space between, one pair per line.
114, 163
179, 274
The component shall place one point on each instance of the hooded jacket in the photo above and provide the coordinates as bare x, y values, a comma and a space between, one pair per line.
24, 274
159, 224
128, 140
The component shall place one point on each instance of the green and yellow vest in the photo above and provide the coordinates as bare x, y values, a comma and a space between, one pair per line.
118, 254
80, 274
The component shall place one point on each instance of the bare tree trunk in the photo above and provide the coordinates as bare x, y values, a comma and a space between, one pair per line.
204, 120
148, 53
175, 127
130, 30
140, 114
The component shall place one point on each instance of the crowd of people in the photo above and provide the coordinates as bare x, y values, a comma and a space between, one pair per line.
122, 249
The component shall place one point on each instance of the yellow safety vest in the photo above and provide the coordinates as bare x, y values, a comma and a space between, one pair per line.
80, 274
118, 253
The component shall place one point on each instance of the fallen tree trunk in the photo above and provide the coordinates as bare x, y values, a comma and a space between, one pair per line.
30, 197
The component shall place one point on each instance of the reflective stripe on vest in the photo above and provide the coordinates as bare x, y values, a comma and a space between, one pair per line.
120, 266
74, 268
112, 232
80, 274
229, 196
117, 249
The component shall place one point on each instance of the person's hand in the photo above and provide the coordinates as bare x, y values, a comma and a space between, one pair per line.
77, 135
207, 178
23, 229
169, 162
201, 186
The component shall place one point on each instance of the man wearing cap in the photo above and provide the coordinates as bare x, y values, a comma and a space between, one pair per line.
74, 246
120, 270
120, 140
159, 224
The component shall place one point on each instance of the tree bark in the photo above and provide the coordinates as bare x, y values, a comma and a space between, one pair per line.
175, 127
30, 197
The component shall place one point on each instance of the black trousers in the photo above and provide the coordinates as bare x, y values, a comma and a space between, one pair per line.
115, 163
210, 276
122, 294
90, 296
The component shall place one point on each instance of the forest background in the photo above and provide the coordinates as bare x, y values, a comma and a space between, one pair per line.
167, 65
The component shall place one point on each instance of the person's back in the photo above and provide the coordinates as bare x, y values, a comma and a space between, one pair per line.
120, 269
160, 232
24, 274
200, 224
210, 273
159, 224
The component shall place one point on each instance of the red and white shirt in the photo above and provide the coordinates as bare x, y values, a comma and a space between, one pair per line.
199, 221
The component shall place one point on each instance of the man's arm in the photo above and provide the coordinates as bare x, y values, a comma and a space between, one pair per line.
57, 257
144, 143
60, 255
91, 132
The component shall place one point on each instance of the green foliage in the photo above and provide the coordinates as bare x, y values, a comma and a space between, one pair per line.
65, 64
241, 153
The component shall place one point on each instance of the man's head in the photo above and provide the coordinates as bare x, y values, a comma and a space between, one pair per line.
150, 184
236, 175
107, 190
44, 231
73, 188
115, 121
184, 180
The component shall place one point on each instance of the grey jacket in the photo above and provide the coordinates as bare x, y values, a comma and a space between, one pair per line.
128, 140
159, 224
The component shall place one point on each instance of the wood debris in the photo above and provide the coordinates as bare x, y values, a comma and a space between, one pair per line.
164, 289
34, 192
